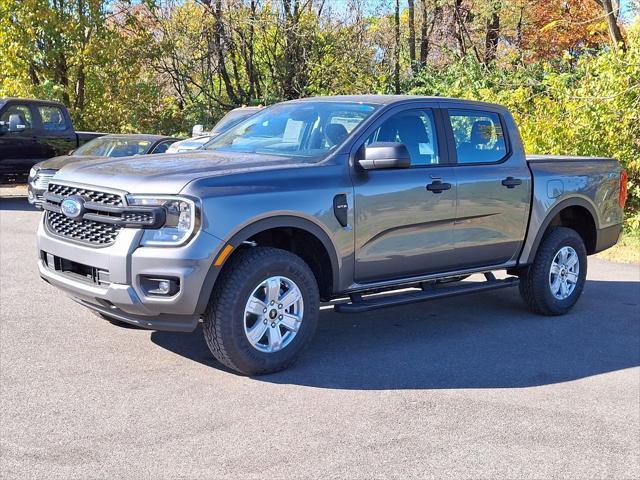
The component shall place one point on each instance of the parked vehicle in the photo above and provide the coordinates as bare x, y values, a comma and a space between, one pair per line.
34, 130
326, 199
199, 139
112, 146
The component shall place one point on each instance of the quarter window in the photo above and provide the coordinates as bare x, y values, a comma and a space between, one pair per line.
478, 136
52, 118
416, 130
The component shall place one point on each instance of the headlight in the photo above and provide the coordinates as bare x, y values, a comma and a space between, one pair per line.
182, 219
33, 172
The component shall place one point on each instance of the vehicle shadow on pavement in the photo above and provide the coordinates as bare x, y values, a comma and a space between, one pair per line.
16, 204
477, 341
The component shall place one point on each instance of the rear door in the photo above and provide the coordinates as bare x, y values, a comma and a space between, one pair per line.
494, 185
56, 135
403, 229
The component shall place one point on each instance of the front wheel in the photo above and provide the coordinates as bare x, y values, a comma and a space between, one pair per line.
554, 282
263, 312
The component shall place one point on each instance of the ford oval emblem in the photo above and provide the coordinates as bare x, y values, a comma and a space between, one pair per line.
72, 207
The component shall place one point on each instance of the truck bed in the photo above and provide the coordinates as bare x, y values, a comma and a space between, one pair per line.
566, 158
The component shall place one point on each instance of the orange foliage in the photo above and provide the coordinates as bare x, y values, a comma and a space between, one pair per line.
556, 26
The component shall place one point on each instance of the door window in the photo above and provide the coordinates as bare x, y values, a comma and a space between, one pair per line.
162, 147
23, 111
478, 136
52, 118
416, 130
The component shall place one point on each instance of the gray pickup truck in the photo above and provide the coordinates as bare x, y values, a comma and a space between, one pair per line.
365, 201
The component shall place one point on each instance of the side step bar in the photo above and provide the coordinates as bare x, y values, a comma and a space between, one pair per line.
429, 292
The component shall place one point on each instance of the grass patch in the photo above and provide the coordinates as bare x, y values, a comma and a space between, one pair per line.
627, 250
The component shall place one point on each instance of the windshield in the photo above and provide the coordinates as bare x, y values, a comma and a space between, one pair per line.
302, 129
231, 119
113, 147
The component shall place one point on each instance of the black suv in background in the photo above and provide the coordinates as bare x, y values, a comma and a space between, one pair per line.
34, 130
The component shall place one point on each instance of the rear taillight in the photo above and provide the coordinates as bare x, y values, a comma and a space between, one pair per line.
622, 198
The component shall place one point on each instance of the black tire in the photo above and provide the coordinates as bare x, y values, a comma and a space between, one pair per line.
224, 322
535, 288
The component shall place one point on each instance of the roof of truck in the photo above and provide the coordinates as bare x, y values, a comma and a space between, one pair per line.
390, 99
4, 100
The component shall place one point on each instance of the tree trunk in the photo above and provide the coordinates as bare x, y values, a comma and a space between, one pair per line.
426, 28
80, 81
396, 56
290, 83
459, 28
492, 36
614, 29
222, 66
424, 34
412, 35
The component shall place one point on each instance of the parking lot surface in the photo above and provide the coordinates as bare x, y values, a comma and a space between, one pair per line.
466, 387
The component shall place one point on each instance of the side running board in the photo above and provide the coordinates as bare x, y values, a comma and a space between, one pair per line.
429, 292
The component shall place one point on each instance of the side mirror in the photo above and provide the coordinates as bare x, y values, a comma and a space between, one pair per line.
197, 130
382, 155
16, 124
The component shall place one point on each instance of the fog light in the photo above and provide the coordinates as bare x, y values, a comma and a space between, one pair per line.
160, 286
163, 287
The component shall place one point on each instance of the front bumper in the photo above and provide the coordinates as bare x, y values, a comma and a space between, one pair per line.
123, 296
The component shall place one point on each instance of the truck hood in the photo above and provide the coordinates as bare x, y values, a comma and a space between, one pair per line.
168, 173
56, 163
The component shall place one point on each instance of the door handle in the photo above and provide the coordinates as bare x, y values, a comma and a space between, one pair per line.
438, 187
511, 182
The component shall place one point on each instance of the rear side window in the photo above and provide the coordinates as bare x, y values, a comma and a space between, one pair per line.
478, 136
52, 118
416, 130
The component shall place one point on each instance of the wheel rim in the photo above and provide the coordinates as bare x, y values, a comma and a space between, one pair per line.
564, 272
273, 314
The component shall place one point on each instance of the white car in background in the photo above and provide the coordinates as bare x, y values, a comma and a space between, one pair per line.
199, 138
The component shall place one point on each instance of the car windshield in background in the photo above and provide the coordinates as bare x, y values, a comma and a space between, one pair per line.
113, 147
231, 119
304, 129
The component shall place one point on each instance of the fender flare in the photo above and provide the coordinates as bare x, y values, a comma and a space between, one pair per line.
555, 210
280, 221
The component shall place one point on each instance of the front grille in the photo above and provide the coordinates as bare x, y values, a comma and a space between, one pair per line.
96, 233
96, 196
102, 215
41, 182
138, 217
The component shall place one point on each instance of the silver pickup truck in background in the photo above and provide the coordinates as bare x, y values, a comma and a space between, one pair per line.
367, 201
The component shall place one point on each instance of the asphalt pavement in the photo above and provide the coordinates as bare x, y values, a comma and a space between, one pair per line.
470, 387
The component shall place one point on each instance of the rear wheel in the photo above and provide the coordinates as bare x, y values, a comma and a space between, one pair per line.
554, 282
263, 312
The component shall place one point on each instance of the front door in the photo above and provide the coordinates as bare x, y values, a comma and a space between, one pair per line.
19, 148
402, 228
494, 186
